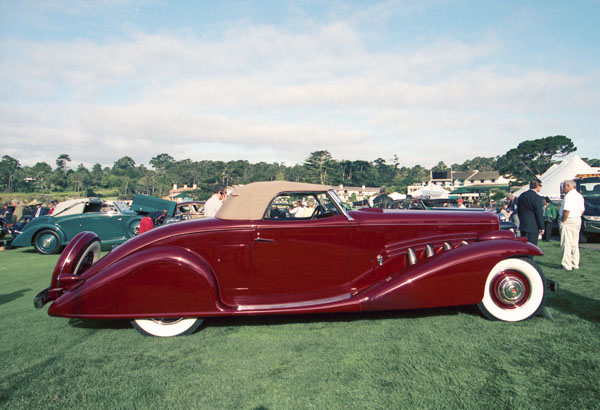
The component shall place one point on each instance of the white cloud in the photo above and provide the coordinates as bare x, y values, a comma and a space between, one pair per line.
267, 93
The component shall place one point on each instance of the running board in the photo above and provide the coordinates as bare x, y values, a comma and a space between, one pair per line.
295, 304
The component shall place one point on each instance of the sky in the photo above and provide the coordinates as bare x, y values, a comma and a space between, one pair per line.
273, 81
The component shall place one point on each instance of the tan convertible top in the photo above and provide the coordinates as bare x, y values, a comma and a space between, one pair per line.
249, 202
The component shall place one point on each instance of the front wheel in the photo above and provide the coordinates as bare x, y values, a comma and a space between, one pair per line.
167, 327
47, 242
514, 291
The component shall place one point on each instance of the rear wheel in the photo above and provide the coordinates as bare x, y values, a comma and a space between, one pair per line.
514, 291
167, 327
47, 242
134, 228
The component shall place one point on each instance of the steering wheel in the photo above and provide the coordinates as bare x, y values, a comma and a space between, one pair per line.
319, 210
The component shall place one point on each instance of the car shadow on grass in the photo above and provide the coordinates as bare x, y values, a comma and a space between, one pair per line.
9, 297
264, 320
271, 320
97, 324
572, 303
567, 301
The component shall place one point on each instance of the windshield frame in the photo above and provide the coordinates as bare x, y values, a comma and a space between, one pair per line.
339, 204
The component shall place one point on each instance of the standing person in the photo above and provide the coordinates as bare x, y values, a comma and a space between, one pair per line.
549, 217
17, 210
513, 210
570, 223
530, 207
17, 214
215, 201
383, 200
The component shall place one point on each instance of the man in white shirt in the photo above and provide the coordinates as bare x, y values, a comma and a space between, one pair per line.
214, 202
570, 224
297, 212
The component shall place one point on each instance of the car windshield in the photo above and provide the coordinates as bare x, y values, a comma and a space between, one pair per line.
303, 205
590, 188
122, 207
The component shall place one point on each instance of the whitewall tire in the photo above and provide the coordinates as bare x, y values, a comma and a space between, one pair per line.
514, 291
167, 327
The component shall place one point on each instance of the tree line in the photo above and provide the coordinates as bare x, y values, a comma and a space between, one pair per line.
125, 177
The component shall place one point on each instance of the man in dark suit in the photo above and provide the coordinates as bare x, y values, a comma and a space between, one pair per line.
530, 207
40, 211
383, 200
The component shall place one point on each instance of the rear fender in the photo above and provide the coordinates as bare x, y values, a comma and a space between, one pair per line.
29, 232
163, 281
81, 253
454, 277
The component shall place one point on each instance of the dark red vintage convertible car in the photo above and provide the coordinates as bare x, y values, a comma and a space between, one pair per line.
289, 248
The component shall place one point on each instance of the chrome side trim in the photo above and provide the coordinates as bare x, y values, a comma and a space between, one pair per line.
295, 304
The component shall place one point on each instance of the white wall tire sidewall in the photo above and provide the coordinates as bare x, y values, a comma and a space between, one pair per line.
536, 297
158, 329
94, 247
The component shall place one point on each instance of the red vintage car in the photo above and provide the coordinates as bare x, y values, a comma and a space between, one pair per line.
289, 248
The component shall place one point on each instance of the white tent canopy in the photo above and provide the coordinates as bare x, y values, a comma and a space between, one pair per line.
397, 195
557, 173
432, 191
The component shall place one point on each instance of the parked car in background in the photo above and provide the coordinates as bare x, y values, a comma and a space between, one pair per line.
257, 258
588, 186
445, 205
187, 210
113, 223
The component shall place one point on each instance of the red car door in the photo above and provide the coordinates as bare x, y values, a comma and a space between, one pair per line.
301, 260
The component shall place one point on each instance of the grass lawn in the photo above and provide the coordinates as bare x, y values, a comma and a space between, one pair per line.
442, 358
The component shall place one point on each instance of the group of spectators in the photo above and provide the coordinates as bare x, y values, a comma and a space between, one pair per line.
537, 213
16, 216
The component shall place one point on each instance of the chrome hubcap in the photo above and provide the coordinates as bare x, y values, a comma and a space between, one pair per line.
511, 290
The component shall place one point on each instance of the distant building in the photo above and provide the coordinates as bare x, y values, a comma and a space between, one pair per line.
178, 194
355, 194
466, 184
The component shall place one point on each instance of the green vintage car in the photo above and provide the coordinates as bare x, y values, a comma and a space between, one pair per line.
113, 222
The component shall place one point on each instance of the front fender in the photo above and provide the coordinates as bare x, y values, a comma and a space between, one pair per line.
452, 278
162, 281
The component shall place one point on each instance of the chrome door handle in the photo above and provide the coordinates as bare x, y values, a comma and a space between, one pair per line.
263, 240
